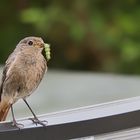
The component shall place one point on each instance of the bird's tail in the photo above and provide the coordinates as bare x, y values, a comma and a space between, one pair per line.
4, 109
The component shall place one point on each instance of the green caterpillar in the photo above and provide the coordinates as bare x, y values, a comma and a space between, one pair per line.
47, 51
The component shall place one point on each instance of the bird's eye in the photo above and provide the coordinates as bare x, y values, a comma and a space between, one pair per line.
30, 43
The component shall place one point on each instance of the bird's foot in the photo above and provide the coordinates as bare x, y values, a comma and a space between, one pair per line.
37, 121
18, 125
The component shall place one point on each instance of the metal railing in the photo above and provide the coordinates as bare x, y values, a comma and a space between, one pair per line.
76, 123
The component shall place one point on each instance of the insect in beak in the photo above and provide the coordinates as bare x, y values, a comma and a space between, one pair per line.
47, 51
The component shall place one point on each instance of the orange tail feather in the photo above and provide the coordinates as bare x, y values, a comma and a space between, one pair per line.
4, 109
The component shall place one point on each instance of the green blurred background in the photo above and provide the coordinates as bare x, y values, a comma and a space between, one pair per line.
89, 35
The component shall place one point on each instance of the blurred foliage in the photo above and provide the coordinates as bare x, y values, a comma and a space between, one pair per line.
96, 35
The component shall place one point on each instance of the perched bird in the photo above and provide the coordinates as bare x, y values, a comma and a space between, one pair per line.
23, 71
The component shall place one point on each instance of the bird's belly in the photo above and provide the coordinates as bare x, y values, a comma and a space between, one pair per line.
30, 81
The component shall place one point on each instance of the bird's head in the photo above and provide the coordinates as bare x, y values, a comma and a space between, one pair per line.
35, 42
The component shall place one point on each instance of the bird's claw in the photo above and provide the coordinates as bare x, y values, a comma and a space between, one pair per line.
37, 121
18, 125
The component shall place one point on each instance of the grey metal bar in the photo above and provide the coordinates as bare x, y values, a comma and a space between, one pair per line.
81, 122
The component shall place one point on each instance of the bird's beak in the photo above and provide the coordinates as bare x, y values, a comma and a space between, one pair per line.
42, 45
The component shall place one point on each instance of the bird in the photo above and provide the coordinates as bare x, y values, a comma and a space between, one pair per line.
22, 74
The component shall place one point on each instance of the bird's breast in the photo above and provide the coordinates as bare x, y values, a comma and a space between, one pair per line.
33, 70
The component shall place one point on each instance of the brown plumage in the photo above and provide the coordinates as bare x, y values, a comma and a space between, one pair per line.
23, 71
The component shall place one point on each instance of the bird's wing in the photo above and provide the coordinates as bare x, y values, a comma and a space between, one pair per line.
10, 59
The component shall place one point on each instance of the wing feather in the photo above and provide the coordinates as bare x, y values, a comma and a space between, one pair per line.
9, 61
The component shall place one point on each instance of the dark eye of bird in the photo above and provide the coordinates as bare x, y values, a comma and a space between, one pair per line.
30, 43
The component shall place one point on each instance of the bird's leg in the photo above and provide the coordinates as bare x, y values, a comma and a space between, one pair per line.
18, 125
35, 119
